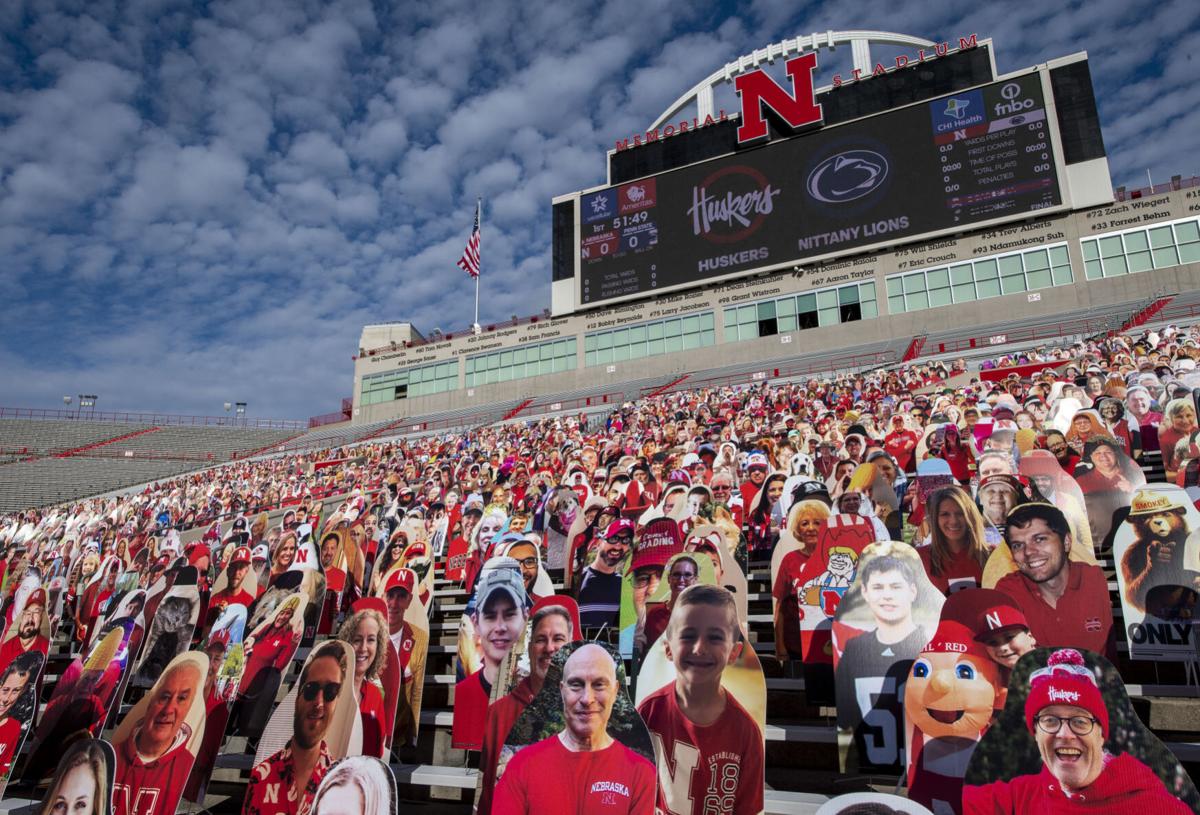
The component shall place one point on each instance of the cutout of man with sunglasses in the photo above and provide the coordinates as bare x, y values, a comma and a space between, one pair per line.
284, 783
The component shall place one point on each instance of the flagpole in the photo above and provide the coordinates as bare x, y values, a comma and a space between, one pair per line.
479, 215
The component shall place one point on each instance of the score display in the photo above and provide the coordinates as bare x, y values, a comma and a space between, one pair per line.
971, 157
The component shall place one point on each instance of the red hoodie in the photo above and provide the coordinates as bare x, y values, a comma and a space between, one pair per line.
1125, 786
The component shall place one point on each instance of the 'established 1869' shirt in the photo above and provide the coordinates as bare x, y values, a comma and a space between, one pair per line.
715, 769
548, 778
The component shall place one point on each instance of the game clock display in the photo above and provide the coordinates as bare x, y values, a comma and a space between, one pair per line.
974, 156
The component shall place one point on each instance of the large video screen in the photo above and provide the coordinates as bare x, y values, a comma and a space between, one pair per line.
970, 157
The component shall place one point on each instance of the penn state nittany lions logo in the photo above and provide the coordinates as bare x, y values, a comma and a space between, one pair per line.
847, 176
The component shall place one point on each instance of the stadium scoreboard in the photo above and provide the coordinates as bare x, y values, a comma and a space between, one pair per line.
976, 157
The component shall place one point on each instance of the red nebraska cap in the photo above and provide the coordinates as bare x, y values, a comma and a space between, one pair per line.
401, 579
998, 618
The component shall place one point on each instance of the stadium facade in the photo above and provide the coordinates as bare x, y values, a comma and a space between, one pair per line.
829, 223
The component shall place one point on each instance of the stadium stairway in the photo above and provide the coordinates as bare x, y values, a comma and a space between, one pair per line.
79, 450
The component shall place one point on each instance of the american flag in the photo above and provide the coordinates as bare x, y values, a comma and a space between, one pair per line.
469, 262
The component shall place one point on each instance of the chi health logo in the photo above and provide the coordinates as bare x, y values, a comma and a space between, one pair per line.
636, 193
847, 176
957, 107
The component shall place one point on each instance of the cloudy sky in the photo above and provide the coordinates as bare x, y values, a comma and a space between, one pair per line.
204, 202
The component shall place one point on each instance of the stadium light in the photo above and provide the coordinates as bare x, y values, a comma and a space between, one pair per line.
87, 400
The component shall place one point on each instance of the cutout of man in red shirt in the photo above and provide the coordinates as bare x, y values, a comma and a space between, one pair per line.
1065, 602
26, 634
233, 593
582, 768
153, 760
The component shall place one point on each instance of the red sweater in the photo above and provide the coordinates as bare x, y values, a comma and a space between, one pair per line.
1125, 786
959, 571
149, 788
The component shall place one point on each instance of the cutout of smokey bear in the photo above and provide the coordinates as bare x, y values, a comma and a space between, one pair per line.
1159, 573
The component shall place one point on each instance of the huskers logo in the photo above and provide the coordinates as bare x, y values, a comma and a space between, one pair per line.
143, 803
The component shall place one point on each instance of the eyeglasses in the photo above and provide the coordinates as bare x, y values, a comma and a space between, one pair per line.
528, 562
1080, 725
329, 690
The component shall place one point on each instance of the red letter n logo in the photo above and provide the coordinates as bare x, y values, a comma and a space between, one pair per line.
797, 109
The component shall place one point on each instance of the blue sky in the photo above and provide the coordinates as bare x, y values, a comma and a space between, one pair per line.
204, 202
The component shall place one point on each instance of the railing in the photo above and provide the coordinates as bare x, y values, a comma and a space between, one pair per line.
130, 417
484, 329
852, 361
1085, 326
154, 455
552, 405
1176, 183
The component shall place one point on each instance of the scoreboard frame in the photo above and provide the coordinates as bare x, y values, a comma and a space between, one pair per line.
564, 303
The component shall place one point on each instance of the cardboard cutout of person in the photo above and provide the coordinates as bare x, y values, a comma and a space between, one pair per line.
824, 580
266, 653
656, 543
1064, 600
871, 803
1060, 489
684, 569
798, 542
553, 623
312, 580
583, 731
601, 585
366, 630
1108, 478
1069, 740
408, 632
316, 724
225, 650
1157, 554
948, 703
170, 631
157, 741
237, 584
356, 785
81, 699
712, 540
19, 682
703, 697
83, 780
493, 624
881, 625
29, 631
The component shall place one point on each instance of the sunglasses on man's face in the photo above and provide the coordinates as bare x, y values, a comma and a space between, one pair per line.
329, 690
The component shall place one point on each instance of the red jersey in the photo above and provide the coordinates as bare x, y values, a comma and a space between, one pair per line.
10, 742
716, 769
501, 716
548, 778
1125, 786
228, 597
657, 617
274, 649
371, 710
150, 787
959, 571
271, 789
471, 697
12, 648
1083, 616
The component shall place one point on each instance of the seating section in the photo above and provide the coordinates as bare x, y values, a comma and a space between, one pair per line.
219, 443
37, 437
46, 481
